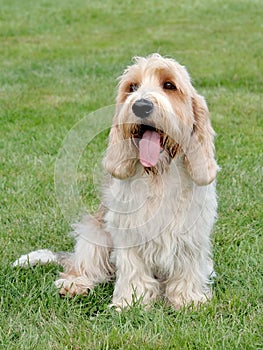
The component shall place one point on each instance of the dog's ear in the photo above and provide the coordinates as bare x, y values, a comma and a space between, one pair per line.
200, 161
120, 158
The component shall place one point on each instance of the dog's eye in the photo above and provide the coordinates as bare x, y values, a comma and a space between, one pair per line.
169, 86
133, 87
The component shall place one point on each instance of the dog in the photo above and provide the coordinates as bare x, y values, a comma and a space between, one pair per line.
152, 231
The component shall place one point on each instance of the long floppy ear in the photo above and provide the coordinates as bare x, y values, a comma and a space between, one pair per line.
200, 161
120, 158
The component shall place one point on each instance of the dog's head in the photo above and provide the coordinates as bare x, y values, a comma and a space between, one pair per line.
160, 116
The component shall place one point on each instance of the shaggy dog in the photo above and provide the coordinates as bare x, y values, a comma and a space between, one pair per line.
152, 231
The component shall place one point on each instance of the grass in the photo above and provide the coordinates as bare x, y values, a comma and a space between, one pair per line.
59, 62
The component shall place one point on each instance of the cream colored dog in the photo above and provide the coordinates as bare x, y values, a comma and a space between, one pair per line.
152, 232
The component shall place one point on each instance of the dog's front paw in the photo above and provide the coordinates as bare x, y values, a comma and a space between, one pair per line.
71, 285
195, 300
120, 304
119, 307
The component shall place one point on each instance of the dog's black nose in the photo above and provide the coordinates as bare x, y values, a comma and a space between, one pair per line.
142, 108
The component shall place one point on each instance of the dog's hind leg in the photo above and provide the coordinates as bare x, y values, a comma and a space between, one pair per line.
89, 264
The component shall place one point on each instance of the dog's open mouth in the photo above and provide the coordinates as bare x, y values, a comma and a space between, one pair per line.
151, 142
149, 147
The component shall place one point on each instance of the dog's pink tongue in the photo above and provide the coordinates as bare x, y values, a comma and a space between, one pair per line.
149, 148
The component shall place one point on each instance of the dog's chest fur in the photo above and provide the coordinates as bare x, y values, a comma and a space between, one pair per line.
160, 216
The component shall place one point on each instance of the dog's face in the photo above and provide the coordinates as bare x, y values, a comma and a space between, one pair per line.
160, 116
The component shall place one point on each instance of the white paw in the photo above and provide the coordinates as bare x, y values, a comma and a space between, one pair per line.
118, 307
42, 257
72, 285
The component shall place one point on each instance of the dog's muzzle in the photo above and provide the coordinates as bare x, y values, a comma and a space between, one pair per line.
142, 108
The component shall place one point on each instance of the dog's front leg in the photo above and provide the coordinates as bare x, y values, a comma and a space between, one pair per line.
191, 286
134, 280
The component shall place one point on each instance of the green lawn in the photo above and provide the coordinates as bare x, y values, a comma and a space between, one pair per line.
59, 61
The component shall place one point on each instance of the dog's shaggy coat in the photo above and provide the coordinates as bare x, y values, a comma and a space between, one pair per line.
152, 232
